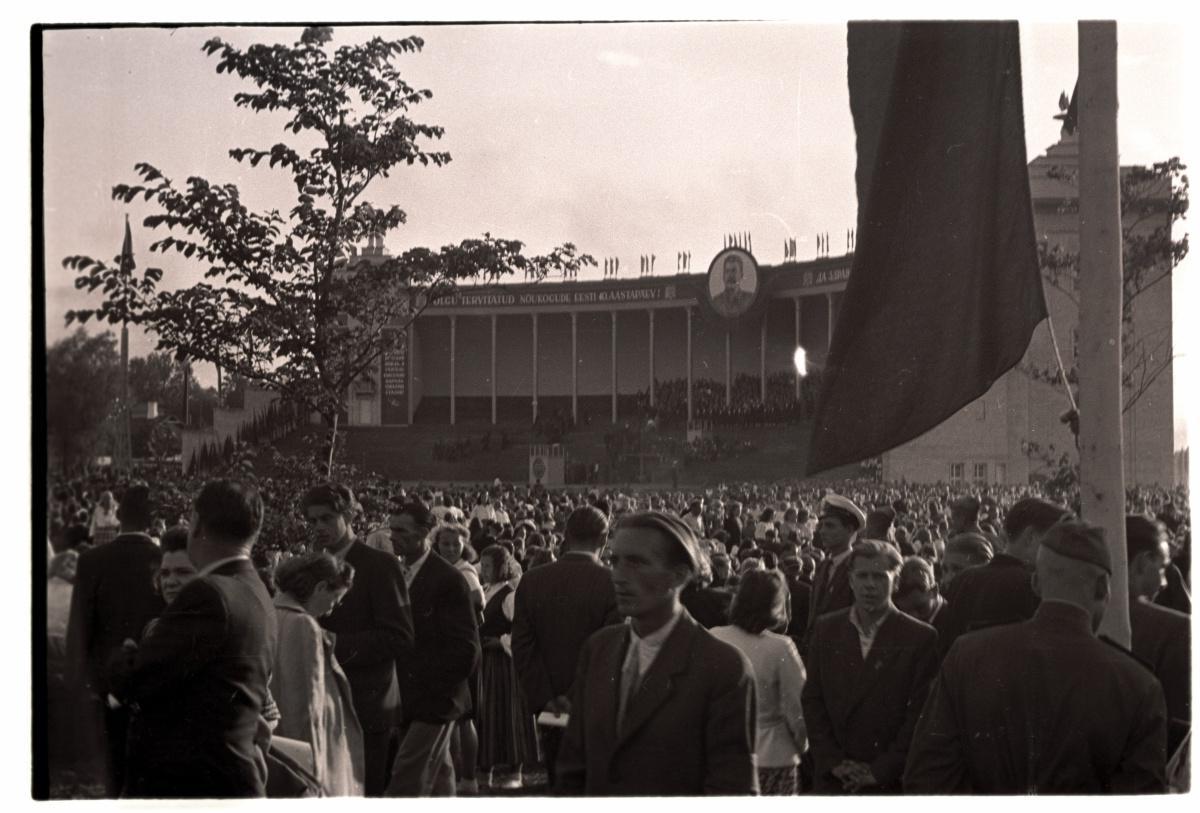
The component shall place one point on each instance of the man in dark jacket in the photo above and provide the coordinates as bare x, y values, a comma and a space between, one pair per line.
556, 609
1001, 592
198, 684
1059, 711
113, 600
1161, 638
373, 625
869, 668
433, 676
659, 707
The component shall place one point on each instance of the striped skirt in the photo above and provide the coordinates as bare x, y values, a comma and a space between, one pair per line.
777, 781
506, 730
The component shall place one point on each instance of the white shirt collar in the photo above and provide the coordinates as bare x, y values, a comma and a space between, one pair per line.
220, 563
649, 647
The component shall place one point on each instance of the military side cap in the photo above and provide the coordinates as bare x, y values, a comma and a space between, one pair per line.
674, 529
1080, 541
838, 506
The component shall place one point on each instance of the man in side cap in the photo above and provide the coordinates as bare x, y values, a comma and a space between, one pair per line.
837, 528
1060, 710
681, 720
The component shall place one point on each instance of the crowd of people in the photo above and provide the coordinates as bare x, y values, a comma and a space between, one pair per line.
465, 448
282, 636
746, 406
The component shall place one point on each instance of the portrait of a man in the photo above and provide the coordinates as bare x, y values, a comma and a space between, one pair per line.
732, 284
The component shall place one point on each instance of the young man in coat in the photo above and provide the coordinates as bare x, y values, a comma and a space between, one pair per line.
1000, 592
557, 608
198, 684
433, 676
659, 707
373, 625
1161, 638
1044, 706
113, 601
869, 669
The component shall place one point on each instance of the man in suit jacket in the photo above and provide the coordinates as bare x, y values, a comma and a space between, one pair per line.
556, 609
198, 684
373, 626
113, 600
1161, 638
433, 676
869, 668
837, 527
1000, 592
659, 706
1057, 710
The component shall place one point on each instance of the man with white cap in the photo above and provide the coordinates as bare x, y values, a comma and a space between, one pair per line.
659, 706
837, 528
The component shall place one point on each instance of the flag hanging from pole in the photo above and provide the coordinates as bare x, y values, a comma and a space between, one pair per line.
945, 290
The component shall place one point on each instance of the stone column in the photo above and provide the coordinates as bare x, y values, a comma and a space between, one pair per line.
688, 310
535, 368
614, 366
829, 304
453, 331
762, 360
728, 368
574, 367
651, 312
493, 369
797, 304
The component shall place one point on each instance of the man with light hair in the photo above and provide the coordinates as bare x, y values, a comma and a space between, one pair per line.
1061, 710
1001, 592
869, 668
963, 552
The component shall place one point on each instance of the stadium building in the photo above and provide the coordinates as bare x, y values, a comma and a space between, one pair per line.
601, 353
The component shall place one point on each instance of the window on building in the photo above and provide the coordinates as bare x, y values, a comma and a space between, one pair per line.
956, 473
1001, 473
980, 478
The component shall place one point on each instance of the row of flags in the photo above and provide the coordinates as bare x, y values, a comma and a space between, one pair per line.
740, 240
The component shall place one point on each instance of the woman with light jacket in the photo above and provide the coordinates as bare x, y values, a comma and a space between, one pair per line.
759, 614
309, 686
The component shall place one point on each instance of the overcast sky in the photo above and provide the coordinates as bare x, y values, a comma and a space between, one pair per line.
625, 139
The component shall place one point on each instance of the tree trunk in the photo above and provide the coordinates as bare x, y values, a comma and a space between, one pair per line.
332, 446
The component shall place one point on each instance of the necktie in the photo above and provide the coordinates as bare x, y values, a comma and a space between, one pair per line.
629, 682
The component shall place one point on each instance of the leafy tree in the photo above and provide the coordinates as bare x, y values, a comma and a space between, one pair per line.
83, 375
285, 303
1153, 200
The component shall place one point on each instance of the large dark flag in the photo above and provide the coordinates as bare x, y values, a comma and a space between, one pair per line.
945, 290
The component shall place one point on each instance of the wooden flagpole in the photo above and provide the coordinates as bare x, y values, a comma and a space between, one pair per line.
1101, 479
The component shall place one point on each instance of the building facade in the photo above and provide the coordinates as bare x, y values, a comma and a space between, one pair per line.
518, 349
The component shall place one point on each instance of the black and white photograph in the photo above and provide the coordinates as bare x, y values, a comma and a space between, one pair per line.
579, 404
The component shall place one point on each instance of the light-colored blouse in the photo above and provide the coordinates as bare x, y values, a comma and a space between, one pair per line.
779, 678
